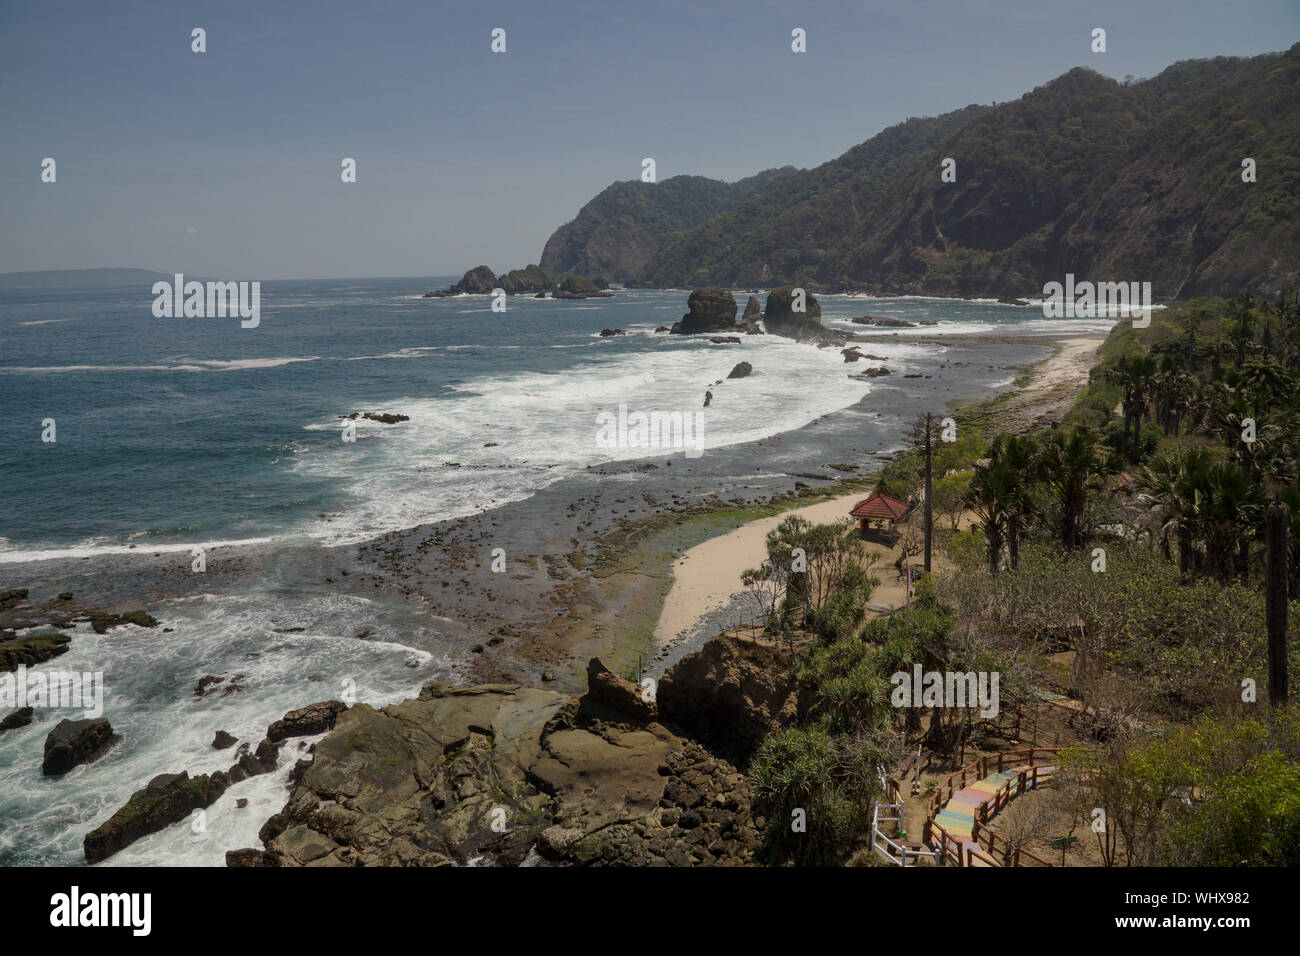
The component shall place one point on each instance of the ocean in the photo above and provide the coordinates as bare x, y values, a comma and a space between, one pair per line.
184, 433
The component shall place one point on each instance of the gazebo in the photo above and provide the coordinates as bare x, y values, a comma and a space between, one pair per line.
878, 508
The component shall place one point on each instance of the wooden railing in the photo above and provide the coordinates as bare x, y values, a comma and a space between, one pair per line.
981, 768
990, 848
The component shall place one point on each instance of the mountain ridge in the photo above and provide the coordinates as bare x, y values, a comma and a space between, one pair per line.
1110, 181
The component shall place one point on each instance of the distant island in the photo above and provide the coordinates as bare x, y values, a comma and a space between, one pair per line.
80, 278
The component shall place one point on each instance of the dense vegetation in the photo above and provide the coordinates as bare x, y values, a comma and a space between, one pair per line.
1115, 560
1127, 182
616, 233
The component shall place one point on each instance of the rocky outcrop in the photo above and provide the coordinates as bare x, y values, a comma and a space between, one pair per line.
219, 685
753, 311
530, 279
32, 650
607, 333
724, 340
168, 799
19, 718
580, 287
307, 721
385, 418
741, 370
730, 694
477, 281
711, 310
882, 322
223, 741
74, 742
498, 772
792, 314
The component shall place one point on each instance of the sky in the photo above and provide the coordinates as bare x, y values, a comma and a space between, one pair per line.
227, 163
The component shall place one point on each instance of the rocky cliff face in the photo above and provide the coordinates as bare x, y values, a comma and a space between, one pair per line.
508, 773
731, 694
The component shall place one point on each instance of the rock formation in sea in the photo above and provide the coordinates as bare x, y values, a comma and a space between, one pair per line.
170, 797
580, 287
74, 742
710, 310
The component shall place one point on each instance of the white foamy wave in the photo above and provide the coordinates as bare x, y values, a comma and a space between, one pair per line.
288, 650
499, 439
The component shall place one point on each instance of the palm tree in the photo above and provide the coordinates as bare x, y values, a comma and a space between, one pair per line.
1019, 455
1073, 465
1163, 482
1135, 374
991, 487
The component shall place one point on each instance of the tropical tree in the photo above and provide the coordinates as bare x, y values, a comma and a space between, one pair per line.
1072, 464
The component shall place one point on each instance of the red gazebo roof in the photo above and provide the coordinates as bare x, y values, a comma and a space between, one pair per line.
880, 506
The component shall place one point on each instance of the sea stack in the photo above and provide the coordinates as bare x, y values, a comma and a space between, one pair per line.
711, 310
781, 317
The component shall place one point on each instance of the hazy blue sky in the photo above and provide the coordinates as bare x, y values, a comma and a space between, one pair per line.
227, 163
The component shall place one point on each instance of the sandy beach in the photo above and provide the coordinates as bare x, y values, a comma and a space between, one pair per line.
706, 577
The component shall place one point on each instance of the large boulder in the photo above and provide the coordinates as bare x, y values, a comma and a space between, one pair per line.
74, 742
753, 312
19, 718
313, 719
731, 694
167, 799
782, 318
711, 310
741, 370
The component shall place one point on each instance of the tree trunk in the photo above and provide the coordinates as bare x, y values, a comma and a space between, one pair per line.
929, 510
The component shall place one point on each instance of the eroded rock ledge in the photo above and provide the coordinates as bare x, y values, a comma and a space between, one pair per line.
507, 774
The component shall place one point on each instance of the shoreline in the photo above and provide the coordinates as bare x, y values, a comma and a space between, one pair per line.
707, 578
590, 556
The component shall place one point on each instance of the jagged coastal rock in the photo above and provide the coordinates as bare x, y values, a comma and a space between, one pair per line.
753, 311
19, 718
32, 650
169, 798
781, 318
502, 772
530, 279
385, 418
74, 742
711, 310
580, 287
741, 370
